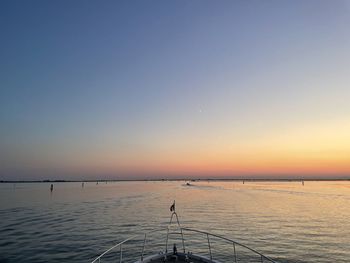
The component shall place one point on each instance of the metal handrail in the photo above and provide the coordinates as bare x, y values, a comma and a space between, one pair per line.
234, 243
230, 241
97, 259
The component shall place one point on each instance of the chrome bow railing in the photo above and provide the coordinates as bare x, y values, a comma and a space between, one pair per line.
184, 239
120, 245
235, 244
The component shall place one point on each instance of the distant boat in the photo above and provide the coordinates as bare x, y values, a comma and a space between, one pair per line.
243, 254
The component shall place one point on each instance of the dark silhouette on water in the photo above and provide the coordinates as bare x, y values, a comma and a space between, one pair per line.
82, 185
51, 187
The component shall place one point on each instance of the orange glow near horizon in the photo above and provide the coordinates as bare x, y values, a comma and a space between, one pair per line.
322, 149
319, 149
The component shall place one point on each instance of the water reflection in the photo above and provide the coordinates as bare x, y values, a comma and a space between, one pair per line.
285, 220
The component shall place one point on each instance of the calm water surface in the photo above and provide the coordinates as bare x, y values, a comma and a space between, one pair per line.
286, 221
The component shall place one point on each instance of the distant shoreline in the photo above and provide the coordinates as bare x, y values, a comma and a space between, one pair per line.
180, 179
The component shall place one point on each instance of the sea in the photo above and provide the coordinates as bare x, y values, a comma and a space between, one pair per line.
286, 221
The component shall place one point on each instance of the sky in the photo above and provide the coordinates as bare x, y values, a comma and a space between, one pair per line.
174, 89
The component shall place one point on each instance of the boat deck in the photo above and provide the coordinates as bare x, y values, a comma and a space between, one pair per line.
178, 258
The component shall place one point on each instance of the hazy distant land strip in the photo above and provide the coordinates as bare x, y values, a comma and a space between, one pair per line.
182, 179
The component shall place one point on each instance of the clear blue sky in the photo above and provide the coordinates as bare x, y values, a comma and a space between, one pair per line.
94, 89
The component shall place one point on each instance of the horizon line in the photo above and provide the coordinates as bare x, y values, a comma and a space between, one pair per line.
180, 179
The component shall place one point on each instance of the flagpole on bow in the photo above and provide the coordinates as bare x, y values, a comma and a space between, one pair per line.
172, 209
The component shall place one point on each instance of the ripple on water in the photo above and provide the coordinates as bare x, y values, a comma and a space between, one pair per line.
294, 225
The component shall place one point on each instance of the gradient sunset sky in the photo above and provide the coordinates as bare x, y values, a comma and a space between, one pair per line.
166, 89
